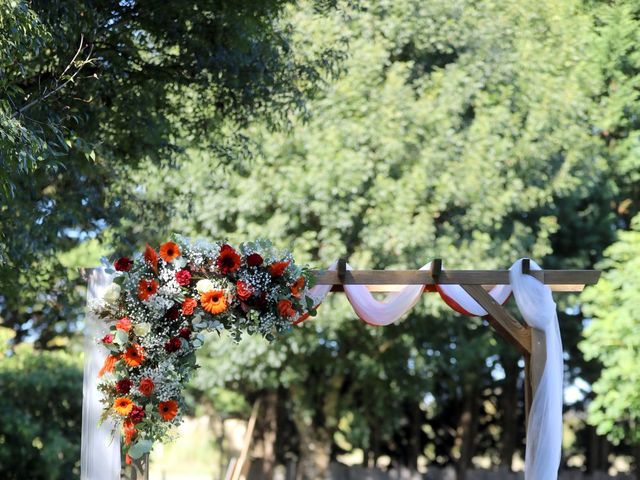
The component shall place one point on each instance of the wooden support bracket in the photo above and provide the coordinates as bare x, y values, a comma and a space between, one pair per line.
500, 319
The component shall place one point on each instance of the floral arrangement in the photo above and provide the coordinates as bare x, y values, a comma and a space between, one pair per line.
158, 309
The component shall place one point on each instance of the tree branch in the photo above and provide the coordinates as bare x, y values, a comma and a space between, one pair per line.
59, 84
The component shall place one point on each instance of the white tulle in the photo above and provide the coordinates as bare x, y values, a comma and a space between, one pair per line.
544, 429
100, 452
535, 302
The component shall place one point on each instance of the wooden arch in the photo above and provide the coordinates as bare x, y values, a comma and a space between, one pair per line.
475, 283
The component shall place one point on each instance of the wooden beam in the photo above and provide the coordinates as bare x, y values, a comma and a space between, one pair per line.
500, 319
397, 288
451, 277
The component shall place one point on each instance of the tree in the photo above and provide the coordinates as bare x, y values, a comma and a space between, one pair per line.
92, 90
40, 413
612, 338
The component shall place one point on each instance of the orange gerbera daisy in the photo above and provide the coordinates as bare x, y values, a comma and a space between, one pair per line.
146, 288
151, 257
214, 301
109, 365
169, 251
297, 287
134, 355
123, 405
168, 409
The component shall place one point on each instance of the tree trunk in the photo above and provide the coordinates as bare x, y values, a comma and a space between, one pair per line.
509, 411
466, 433
316, 429
315, 453
266, 430
415, 431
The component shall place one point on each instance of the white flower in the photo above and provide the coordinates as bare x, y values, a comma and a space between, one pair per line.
204, 285
141, 329
112, 294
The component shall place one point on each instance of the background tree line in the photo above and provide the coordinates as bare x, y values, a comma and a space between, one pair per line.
387, 132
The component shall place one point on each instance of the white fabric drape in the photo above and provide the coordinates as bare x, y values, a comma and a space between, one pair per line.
544, 429
100, 453
370, 310
535, 302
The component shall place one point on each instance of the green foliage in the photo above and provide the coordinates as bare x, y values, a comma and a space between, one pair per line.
613, 339
91, 90
40, 414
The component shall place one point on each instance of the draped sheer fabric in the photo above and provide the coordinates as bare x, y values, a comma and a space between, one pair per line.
535, 302
101, 454
100, 450
544, 429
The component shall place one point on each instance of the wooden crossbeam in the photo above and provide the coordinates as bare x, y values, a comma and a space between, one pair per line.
392, 280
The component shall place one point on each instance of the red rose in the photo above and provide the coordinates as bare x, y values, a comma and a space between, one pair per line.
183, 277
124, 324
173, 345
123, 264
285, 308
228, 260
254, 260
244, 290
123, 386
185, 333
188, 305
108, 338
146, 387
137, 414
276, 269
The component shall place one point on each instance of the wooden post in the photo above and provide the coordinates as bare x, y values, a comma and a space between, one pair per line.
140, 468
528, 390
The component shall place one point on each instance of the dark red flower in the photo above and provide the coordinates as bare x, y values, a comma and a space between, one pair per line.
254, 260
108, 338
185, 333
243, 290
228, 260
183, 277
173, 345
123, 264
172, 314
123, 386
137, 414
259, 301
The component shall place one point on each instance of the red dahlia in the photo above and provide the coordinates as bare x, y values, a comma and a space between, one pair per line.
137, 414
123, 386
123, 264
173, 345
228, 260
254, 260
